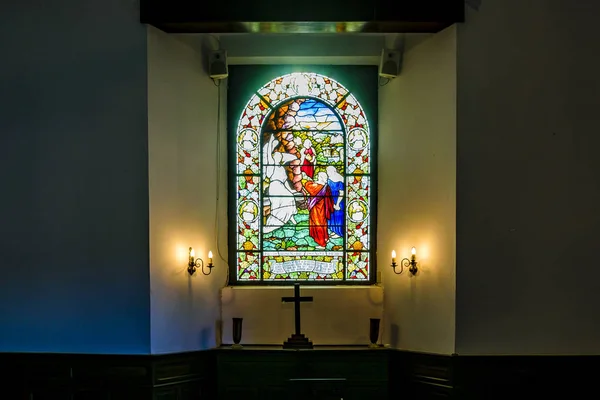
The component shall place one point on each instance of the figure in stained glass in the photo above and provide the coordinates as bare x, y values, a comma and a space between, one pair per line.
249, 211
357, 139
357, 211
320, 208
282, 202
337, 217
303, 195
308, 158
248, 140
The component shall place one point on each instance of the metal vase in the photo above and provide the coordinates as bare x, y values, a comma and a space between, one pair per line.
374, 331
237, 331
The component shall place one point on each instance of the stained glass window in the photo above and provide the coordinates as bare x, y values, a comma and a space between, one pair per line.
303, 204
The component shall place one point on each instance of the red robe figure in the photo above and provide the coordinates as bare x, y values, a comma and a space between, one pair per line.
320, 208
307, 159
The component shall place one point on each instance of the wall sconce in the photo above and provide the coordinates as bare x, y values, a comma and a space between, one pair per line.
406, 263
195, 263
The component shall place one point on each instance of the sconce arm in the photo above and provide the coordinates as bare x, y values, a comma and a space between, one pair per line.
411, 264
395, 265
209, 266
198, 263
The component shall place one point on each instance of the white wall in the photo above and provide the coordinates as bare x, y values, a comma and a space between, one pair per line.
417, 197
182, 142
73, 173
528, 178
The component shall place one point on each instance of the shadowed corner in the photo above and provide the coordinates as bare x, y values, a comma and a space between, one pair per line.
205, 338
227, 296
218, 332
394, 335
474, 4
399, 44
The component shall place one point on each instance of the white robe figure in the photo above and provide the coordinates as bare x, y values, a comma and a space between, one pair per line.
279, 192
248, 141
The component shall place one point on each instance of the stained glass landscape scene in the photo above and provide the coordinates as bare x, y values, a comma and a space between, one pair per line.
303, 183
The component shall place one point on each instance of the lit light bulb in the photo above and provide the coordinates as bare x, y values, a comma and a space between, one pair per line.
393, 256
210, 256
413, 251
192, 253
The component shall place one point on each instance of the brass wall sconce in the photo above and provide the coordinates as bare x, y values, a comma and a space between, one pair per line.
406, 263
195, 263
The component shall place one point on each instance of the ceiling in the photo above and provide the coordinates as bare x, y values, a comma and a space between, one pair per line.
285, 48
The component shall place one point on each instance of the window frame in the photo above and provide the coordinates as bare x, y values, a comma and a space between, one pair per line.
360, 81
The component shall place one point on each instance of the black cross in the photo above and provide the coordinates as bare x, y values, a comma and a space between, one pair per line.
297, 299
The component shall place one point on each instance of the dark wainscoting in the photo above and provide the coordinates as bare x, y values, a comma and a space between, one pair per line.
254, 374
428, 376
103, 377
536, 377
325, 373
420, 375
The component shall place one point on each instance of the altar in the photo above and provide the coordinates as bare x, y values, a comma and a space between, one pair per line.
338, 315
324, 372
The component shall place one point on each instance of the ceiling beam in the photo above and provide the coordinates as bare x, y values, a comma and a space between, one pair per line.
308, 16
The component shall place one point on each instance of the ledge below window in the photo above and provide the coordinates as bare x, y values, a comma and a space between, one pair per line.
338, 315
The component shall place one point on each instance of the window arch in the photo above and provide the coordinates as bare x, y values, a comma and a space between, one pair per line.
303, 181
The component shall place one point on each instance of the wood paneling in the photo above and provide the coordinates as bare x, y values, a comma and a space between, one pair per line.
269, 373
428, 376
114, 377
500, 377
333, 373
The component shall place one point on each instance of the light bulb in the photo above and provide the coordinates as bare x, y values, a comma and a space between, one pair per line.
192, 253
210, 256
393, 255
413, 251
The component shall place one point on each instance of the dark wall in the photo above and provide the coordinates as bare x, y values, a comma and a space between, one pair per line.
527, 277
73, 166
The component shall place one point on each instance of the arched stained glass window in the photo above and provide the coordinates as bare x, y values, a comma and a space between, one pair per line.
303, 204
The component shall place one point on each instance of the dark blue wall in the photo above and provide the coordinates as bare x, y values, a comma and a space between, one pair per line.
74, 271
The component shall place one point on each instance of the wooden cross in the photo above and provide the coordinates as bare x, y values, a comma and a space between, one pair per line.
297, 299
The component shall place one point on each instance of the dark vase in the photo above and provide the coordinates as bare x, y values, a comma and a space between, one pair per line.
374, 331
237, 331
